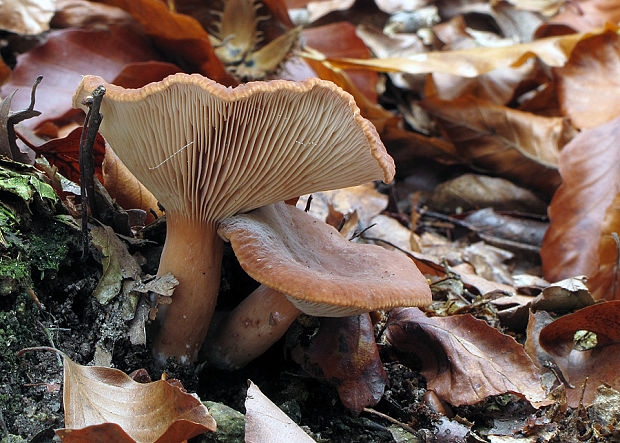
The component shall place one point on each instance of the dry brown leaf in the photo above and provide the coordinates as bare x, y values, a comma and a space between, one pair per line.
590, 167
463, 359
553, 51
63, 153
26, 17
593, 70
607, 279
177, 34
64, 58
340, 40
345, 351
266, 423
147, 412
599, 364
86, 14
125, 188
584, 15
514, 144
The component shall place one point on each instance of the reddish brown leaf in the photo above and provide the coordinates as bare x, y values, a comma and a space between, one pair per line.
64, 154
136, 75
347, 354
593, 70
585, 15
463, 359
340, 40
177, 34
64, 58
510, 143
599, 364
590, 167
147, 412
86, 14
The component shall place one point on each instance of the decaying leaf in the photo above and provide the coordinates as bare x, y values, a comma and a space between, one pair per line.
118, 264
266, 423
463, 359
345, 351
517, 145
65, 57
585, 15
177, 34
592, 366
554, 51
146, 412
590, 168
592, 70
63, 153
26, 16
565, 295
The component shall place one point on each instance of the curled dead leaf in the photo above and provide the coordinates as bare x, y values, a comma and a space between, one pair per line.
598, 364
146, 412
463, 359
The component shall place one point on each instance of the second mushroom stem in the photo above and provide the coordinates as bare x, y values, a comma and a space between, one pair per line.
193, 254
250, 329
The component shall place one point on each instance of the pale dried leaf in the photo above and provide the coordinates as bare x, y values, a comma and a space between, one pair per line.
565, 295
147, 412
266, 423
26, 16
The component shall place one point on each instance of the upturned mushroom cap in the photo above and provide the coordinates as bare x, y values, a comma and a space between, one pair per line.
321, 272
208, 152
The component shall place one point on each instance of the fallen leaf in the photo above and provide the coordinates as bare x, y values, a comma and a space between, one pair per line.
266, 423
599, 364
125, 188
86, 14
146, 412
64, 154
345, 351
340, 40
585, 15
592, 70
565, 295
474, 191
607, 279
64, 58
514, 144
118, 264
26, 17
463, 359
590, 167
179, 35
553, 51
545, 7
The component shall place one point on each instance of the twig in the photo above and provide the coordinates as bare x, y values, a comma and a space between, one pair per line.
361, 233
390, 419
431, 265
308, 203
50, 337
87, 160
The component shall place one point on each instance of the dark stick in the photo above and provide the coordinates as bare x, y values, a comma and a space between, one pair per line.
87, 160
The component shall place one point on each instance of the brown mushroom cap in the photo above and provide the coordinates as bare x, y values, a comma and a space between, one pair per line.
321, 272
208, 152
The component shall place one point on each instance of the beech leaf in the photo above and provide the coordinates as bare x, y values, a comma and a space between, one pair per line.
592, 70
464, 359
599, 364
515, 144
26, 17
266, 423
590, 168
147, 412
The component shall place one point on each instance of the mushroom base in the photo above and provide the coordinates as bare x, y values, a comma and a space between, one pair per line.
193, 254
250, 329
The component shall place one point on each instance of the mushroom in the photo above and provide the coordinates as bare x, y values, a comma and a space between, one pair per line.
304, 265
208, 152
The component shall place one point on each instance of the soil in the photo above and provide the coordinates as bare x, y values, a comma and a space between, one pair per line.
45, 300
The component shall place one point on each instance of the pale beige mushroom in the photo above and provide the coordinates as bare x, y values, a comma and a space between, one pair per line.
307, 266
208, 152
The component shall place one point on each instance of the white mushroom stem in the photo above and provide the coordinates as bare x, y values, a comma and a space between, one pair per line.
251, 328
193, 254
